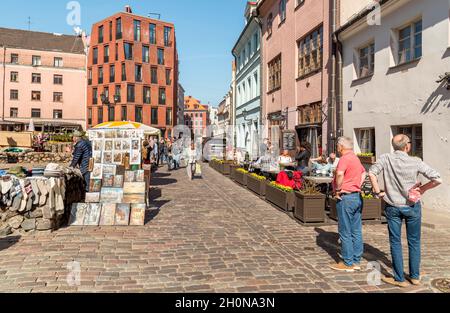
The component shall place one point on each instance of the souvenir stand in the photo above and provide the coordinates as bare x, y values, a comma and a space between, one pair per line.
119, 186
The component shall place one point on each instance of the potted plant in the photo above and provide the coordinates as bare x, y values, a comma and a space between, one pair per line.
310, 204
281, 196
227, 165
241, 176
219, 166
367, 158
257, 184
372, 208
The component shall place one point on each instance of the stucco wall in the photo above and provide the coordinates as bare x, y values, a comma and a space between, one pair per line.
408, 94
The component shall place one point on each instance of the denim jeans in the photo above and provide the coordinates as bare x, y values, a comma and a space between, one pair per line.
87, 180
349, 211
413, 218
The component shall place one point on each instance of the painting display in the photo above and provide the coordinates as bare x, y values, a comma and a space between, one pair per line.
92, 217
137, 217
108, 215
77, 214
92, 197
123, 214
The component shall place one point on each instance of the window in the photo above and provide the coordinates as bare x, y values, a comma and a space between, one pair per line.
168, 77
410, 42
414, 132
57, 79
111, 114
14, 112
128, 50
257, 87
100, 116
35, 96
137, 30
95, 96
117, 94
282, 10
269, 24
130, 93
161, 56
249, 50
138, 114
14, 94
152, 34
162, 96
14, 58
57, 114
154, 72
310, 53
36, 60
154, 116
256, 42
110, 30
35, 78
366, 140
124, 113
90, 116
124, 72
112, 73
169, 117
14, 77
366, 60
310, 114
58, 62
117, 52
167, 33
95, 56
106, 54
100, 75
145, 54
57, 97
119, 28
274, 74
100, 34
36, 113
138, 73
106, 93
90, 76
147, 96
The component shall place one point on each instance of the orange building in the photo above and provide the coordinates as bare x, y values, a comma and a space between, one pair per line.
196, 116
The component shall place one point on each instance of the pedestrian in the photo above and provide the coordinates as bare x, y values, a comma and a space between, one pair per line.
82, 154
402, 196
350, 176
156, 152
192, 157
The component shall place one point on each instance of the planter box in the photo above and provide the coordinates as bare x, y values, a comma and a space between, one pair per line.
367, 160
310, 209
257, 186
219, 167
283, 200
240, 178
372, 209
233, 169
226, 169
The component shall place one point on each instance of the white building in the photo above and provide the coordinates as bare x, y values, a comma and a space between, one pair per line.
213, 120
390, 74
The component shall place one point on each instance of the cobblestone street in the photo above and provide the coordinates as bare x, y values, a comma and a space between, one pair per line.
209, 235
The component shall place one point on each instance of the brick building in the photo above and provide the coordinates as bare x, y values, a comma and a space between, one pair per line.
133, 72
196, 116
42, 77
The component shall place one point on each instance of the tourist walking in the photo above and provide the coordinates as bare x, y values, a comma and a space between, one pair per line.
192, 162
82, 154
403, 198
162, 152
350, 176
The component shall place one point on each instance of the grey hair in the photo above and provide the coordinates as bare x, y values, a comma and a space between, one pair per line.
346, 143
400, 142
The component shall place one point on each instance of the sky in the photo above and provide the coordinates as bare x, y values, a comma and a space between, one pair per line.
206, 32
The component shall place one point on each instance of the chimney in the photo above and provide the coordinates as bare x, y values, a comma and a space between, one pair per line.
128, 9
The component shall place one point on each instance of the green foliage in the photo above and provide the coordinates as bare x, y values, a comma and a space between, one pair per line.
310, 189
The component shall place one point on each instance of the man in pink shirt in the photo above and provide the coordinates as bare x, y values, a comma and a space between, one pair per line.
350, 176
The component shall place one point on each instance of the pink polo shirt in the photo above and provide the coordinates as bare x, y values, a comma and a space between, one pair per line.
353, 169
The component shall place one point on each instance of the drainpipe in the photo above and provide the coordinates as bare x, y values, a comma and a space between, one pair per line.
331, 138
339, 100
4, 83
260, 77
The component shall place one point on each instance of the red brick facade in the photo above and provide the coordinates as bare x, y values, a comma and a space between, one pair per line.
164, 114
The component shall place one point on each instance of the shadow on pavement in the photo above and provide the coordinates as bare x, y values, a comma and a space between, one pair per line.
8, 242
329, 242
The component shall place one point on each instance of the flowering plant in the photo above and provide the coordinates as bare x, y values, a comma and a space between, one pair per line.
281, 187
365, 154
258, 177
241, 170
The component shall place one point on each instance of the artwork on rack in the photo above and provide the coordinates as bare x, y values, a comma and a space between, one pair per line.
109, 169
92, 217
135, 157
111, 195
108, 215
134, 188
97, 156
107, 157
108, 145
97, 172
99, 134
95, 185
109, 134
77, 214
123, 214
137, 217
118, 181
98, 145
140, 176
126, 145
130, 176
126, 134
108, 180
134, 198
119, 134
118, 157
92, 197
135, 144
117, 145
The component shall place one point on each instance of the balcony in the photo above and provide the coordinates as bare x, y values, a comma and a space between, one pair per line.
119, 35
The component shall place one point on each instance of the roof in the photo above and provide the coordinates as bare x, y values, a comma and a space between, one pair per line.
190, 104
31, 40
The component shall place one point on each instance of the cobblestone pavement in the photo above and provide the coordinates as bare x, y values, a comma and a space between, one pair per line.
209, 235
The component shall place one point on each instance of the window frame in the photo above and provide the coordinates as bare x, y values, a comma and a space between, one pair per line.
412, 38
56, 78
37, 93
15, 92
55, 116
15, 111
310, 52
56, 95
370, 56
35, 110
275, 74
58, 62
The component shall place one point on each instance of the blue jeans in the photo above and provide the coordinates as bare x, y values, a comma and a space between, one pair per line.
87, 180
349, 211
413, 217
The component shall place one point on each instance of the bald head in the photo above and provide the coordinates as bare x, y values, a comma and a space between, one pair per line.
401, 142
